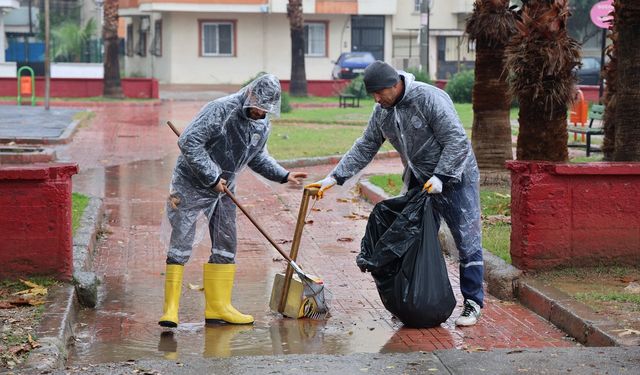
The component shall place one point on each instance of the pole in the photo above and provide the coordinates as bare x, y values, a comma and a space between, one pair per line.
602, 48
424, 36
47, 57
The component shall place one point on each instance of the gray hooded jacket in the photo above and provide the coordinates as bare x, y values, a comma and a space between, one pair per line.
425, 129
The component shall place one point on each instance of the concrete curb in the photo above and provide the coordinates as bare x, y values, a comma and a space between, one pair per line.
573, 317
322, 160
63, 301
507, 282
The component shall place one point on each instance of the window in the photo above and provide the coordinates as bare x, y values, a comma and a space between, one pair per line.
217, 38
416, 5
129, 45
156, 44
315, 43
141, 47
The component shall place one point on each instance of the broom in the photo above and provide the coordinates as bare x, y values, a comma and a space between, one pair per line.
315, 306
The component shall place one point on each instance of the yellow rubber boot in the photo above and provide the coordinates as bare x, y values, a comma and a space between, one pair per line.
218, 283
172, 289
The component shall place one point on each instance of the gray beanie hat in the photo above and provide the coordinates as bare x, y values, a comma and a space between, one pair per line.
379, 75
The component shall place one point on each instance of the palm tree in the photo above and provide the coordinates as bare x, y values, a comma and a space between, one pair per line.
540, 60
622, 115
69, 39
298, 85
491, 25
112, 85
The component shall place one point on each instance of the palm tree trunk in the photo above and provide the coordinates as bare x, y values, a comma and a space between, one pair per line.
609, 100
112, 85
491, 25
540, 60
491, 130
627, 110
298, 86
540, 138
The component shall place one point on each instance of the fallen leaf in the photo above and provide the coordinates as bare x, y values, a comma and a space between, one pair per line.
316, 209
34, 344
282, 241
196, 287
628, 279
633, 288
626, 332
345, 239
6, 305
343, 200
309, 222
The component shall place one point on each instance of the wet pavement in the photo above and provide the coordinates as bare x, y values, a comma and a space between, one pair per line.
126, 155
31, 124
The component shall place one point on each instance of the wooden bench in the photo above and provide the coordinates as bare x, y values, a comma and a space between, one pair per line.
595, 113
353, 96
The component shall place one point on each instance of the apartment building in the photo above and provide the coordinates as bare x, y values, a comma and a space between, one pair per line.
229, 41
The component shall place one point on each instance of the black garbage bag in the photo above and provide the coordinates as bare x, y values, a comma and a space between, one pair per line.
401, 250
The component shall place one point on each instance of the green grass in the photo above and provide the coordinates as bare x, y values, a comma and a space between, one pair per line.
495, 203
610, 297
79, 203
390, 183
313, 99
290, 141
331, 115
495, 237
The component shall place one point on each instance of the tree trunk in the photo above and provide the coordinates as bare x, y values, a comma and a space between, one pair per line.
112, 85
543, 133
298, 86
627, 110
491, 130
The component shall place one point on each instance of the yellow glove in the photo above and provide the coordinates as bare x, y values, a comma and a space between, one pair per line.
433, 186
324, 184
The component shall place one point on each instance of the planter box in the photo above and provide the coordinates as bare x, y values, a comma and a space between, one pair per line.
35, 220
574, 214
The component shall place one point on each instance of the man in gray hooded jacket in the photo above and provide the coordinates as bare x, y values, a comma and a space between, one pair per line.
227, 135
420, 121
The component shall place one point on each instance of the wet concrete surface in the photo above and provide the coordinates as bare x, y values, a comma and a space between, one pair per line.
126, 155
34, 123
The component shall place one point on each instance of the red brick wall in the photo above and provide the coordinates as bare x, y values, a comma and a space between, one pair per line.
35, 220
141, 88
574, 214
320, 87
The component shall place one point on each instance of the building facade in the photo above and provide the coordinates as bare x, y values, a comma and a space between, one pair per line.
230, 41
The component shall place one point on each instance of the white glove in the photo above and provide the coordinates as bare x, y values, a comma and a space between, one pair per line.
433, 186
323, 185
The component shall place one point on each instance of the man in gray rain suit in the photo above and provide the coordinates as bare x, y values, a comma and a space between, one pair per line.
227, 135
419, 120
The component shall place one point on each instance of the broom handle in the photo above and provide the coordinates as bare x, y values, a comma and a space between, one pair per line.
233, 198
295, 245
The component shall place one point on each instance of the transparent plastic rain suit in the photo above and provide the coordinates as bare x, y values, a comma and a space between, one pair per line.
425, 129
219, 143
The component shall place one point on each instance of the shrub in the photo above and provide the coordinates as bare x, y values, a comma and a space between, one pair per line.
460, 86
356, 87
285, 102
420, 75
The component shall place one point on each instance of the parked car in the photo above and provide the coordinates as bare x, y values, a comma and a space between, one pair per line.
350, 64
589, 72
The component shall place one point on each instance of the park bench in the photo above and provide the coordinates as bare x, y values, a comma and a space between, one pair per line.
358, 91
596, 113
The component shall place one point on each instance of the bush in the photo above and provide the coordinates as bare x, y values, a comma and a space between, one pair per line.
285, 105
420, 75
356, 87
460, 86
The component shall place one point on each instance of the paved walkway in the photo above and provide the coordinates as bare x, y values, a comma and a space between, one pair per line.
35, 124
126, 156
